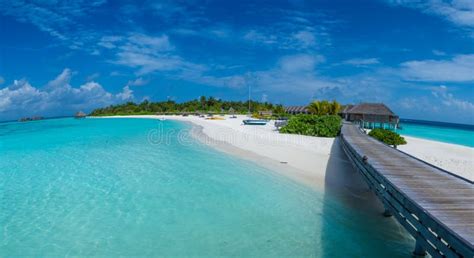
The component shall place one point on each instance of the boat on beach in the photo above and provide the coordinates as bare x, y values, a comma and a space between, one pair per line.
255, 122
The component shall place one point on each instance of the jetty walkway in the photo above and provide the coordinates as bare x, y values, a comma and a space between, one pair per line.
436, 207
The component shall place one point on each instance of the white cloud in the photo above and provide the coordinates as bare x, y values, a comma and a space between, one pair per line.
58, 97
439, 104
306, 37
57, 18
300, 63
173, 9
258, 37
447, 99
137, 82
61, 80
147, 54
92, 77
149, 63
231, 81
438, 52
116, 73
126, 94
292, 74
362, 61
95, 52
19, 96
459, 12
109, 41
160, 43
458, 69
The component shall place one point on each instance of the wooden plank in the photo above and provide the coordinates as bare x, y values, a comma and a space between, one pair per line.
407, 183
409, 174
405, 167
442, 201
431, 195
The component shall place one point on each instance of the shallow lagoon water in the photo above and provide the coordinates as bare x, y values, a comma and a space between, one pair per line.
442, 132
143, 187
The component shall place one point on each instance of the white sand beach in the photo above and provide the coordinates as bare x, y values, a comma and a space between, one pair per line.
454, 158
314, 161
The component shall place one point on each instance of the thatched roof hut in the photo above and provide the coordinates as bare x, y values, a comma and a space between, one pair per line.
371, 109
372, 113
346, 108
296, 110
80, 114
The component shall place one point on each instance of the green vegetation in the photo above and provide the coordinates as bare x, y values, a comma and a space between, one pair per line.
388, 137
322, 126
204, 105
324, 108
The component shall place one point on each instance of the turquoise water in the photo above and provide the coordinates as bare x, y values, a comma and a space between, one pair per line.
112, 187
449, 133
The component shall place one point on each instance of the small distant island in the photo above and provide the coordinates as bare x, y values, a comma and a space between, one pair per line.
33, 118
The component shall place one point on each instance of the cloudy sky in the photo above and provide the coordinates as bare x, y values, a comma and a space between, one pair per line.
58, 57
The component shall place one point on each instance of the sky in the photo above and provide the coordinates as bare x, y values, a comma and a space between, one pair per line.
59, 57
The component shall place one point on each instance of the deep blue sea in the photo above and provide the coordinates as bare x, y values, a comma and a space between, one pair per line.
139, 187
443, 132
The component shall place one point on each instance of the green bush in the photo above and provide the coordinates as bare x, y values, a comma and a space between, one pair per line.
388, 137
322, 126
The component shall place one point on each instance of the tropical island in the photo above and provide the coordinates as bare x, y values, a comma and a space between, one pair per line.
319, 118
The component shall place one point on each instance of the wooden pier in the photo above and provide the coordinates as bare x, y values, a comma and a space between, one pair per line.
436, 207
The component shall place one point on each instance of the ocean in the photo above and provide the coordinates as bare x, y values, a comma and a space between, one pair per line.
460, 134
142, 187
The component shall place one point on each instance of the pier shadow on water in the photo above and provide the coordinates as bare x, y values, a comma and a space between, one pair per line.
352, 210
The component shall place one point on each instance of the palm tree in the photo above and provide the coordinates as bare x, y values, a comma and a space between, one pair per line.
324, 107
335, 107
203, 102
315, 107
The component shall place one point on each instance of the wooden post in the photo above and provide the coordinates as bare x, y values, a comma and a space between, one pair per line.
419, 251
386, 213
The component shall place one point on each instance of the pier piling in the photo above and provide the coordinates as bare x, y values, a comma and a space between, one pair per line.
419, 251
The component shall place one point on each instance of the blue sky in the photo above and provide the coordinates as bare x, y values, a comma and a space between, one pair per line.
58, 57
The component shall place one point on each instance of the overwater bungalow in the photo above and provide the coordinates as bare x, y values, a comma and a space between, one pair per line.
80, 114
34, 118
371, 115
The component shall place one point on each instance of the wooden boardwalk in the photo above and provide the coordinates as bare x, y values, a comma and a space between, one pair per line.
435, 206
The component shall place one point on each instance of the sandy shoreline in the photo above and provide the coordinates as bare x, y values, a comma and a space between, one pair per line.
314, 161
456, 159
